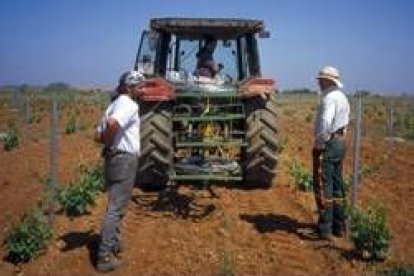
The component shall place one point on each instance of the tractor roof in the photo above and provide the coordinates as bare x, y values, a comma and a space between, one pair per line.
219, 27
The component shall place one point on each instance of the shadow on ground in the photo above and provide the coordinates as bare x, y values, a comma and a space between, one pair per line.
176, 204
74, 240
267, 223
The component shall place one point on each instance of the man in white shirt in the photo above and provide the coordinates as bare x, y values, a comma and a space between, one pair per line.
119, 131
328, 153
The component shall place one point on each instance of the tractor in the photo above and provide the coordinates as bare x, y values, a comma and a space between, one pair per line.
197, 128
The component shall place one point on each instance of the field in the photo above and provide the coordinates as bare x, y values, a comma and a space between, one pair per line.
240, 232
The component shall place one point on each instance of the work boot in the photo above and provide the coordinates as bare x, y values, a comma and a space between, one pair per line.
108, 263
324, 235
118, 250
339, 231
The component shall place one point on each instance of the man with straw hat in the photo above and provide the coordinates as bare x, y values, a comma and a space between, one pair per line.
328, 153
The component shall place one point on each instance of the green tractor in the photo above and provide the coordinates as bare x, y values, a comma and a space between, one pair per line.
205, 116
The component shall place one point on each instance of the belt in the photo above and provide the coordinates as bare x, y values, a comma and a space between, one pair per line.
338, 133
110, 152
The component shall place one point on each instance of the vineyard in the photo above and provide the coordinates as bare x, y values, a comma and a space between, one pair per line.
53, 202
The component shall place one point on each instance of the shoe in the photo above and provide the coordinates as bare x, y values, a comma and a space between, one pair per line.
339, 234
118, 247
118, 250
339, 230
325, 236
108, 263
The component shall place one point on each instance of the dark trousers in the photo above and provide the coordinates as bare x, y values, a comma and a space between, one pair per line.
120, 171
332, 213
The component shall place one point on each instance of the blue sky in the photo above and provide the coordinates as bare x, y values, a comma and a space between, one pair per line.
91, 42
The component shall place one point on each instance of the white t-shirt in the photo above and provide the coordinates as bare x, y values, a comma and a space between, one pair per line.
125, 111
333, 114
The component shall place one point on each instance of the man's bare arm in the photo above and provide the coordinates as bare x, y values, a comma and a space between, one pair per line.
112, 127
107, 136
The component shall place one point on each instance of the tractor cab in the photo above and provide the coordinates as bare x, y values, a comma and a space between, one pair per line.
172, 49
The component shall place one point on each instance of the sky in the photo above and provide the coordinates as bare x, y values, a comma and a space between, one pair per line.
89, 43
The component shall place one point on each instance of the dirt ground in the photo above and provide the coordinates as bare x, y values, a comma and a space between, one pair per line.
243, 232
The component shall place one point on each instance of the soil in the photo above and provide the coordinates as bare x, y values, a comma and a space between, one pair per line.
243, 232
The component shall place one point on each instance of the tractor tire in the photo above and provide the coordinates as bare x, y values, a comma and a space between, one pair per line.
156, 160
260, 157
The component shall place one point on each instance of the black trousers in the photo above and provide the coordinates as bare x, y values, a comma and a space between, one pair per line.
332, 214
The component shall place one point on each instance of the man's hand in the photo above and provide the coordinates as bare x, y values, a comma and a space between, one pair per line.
322, 202
316, 152
107, 137
98, 137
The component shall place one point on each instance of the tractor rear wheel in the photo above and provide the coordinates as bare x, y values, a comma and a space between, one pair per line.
156, 160
260, 157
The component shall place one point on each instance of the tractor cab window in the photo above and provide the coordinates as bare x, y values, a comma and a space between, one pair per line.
227, 59
181, 57
147, 53
186, 57
207, 57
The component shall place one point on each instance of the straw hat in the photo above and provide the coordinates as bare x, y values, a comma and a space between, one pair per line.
330, 73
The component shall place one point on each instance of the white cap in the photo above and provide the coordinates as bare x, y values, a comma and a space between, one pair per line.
131, 78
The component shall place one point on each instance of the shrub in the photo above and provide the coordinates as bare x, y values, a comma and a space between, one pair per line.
288, 112
370, 233
348, 182
76, 197
35, 119
308, 118
409, 127
93, 178
10, 140
371, 169
380, 113
283, 142
303, 178
28, 238
398, 270
71, 126
227, 264
408, 122
409, 135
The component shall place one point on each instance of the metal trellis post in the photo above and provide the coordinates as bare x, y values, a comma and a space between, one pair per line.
356, 150
53, 158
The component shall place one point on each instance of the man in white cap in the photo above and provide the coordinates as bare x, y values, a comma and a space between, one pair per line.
119, 132
328, 153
